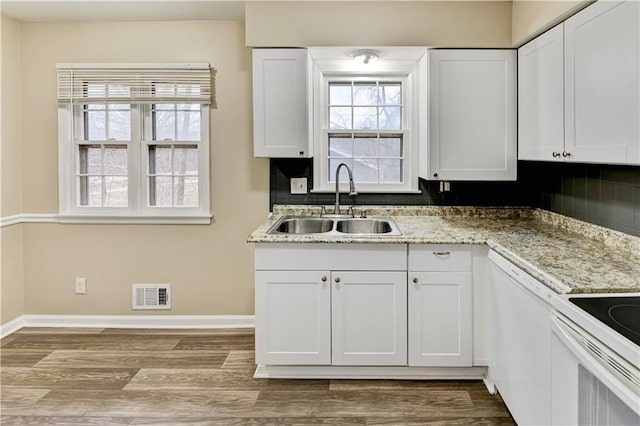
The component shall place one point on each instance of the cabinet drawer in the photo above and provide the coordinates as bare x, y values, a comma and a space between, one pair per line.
439, 257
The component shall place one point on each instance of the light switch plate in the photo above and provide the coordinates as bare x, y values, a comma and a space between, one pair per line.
299, 185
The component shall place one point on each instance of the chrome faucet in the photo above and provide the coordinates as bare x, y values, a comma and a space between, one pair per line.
352, 186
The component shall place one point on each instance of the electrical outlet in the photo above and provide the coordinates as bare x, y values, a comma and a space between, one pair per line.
299, 185
445, 186
81, 285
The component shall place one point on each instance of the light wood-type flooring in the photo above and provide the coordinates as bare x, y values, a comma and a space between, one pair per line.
205, 377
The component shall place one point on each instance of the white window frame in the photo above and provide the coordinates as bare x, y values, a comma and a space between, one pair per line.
138, 210
405, 72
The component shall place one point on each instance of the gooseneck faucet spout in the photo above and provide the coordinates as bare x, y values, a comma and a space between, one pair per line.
352, 186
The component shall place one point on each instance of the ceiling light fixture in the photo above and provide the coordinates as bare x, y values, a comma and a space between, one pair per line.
366, 55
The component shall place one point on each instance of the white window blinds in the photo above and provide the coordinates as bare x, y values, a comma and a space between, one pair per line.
136, 83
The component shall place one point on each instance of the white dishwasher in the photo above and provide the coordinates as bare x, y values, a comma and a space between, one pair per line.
520, 364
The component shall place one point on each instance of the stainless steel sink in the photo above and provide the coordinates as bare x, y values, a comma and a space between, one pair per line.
292, 225
364, 226
302, 225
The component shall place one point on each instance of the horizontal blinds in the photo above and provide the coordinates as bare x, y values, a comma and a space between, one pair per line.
80, 83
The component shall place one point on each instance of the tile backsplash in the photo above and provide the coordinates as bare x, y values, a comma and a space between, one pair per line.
605, 195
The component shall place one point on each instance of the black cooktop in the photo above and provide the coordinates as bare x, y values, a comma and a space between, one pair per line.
620, 313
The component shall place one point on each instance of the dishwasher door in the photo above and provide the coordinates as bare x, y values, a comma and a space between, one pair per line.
520, 364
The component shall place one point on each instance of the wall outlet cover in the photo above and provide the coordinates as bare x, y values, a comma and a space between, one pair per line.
299, 185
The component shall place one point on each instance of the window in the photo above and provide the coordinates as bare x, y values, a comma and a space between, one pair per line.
134, 145
365, 121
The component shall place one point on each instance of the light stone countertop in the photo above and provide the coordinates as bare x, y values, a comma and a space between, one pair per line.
567, 255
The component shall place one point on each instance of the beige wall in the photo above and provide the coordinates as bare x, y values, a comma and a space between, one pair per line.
10, 175
531, 18
11, 253
431, 23
11, 273
210, 267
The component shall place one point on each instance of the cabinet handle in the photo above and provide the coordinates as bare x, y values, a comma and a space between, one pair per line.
337, 279
441, 253
566, 154
415, 280
324, 279
555, 154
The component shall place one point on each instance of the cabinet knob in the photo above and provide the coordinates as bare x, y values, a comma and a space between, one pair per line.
435, 175
415, 280
301, 152
566, 154
337, 279
555, 154
324, 279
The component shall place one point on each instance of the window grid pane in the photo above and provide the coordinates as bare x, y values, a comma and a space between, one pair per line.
102, 177
361, 119
176, 122
173, 176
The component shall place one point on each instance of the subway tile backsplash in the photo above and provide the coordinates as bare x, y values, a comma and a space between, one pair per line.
605, 195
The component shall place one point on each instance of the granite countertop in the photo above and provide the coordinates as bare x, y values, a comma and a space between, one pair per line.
567, 255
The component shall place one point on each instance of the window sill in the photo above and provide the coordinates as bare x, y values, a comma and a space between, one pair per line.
134, 219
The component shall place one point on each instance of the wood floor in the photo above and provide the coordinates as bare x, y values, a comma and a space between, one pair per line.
204, 377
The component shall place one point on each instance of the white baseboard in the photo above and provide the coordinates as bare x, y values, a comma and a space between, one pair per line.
128, 321
11, 326
348, 372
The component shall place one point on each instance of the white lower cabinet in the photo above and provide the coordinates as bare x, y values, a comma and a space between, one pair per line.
440, 313
369, 318
293, 318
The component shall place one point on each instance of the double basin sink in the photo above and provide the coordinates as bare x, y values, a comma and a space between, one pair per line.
305, 225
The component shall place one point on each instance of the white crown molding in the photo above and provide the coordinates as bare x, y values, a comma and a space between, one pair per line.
128, 321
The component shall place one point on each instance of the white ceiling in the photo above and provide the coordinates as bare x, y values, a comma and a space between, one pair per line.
123, 10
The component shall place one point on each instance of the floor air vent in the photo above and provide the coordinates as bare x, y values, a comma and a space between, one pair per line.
151, 296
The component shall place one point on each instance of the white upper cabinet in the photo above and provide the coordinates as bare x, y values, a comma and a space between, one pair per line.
472, 115
541, 97
281, 99
602, 44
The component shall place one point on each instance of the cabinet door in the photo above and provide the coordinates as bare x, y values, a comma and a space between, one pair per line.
472, 115
440, 319
280, 103
369, 318
293, 318
541, 97
602, 121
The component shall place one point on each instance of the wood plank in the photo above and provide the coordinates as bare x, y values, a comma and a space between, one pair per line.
92, 342
134, 359
66, 378
240, 360
249, 331
419, 402
22, 357
420, 421
249, 421
19, 399
62, 420
194, 379
208, 403
222, 342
